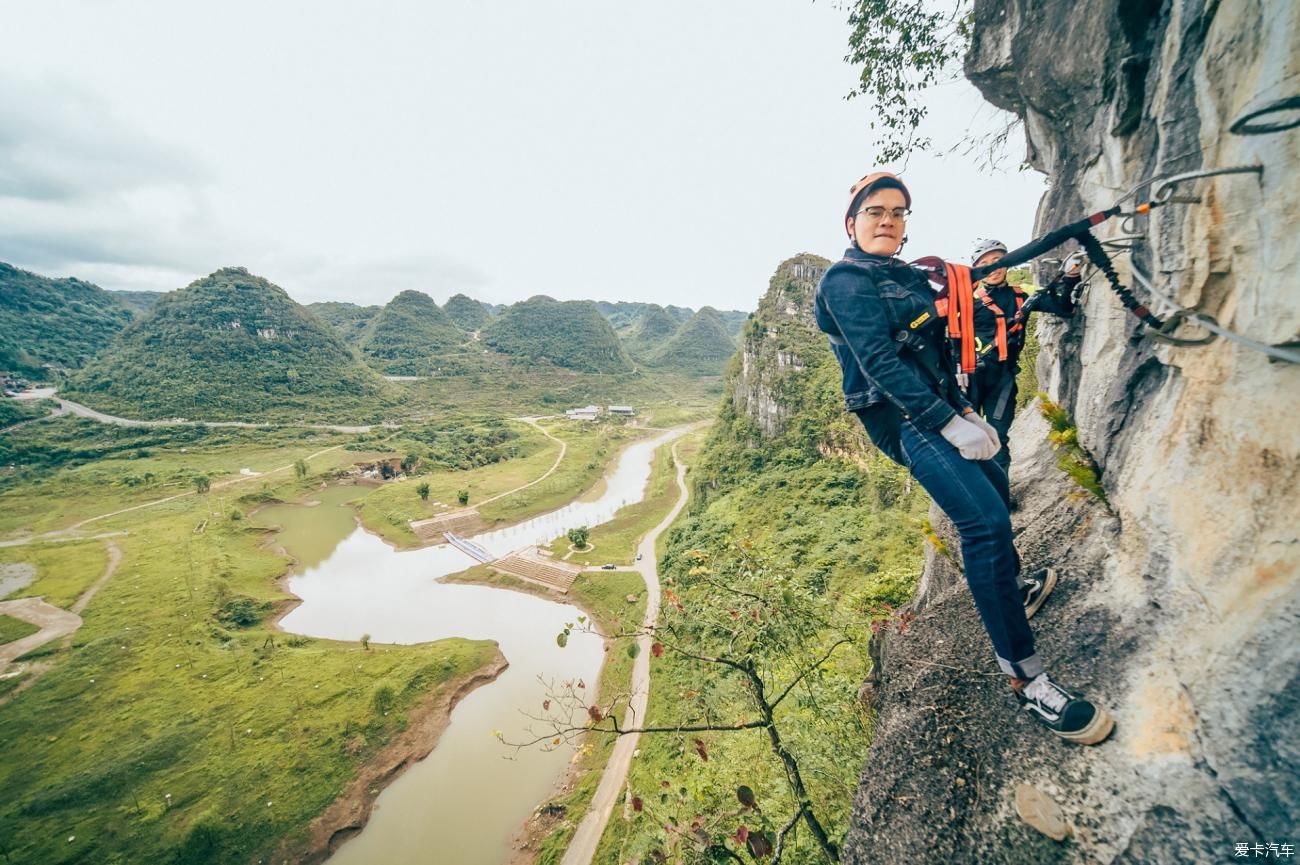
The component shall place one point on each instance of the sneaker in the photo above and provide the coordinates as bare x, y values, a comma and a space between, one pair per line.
1036, 589
1065, 713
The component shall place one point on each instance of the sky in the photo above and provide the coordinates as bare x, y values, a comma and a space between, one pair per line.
672, 152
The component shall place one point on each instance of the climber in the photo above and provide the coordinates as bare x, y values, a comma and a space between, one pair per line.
1001, 318
884, 329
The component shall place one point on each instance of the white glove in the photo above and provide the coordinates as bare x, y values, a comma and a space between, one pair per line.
970, 441
974, 417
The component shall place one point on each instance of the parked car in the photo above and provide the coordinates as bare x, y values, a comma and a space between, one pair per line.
607, 567
638, 557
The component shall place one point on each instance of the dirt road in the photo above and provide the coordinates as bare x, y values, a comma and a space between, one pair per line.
583, 846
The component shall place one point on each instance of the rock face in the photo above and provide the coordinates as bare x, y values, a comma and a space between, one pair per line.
782, 326
1178, 609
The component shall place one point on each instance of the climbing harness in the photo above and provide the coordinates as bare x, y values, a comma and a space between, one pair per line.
1000, 338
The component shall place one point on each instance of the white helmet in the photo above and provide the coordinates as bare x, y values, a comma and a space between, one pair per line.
984, 246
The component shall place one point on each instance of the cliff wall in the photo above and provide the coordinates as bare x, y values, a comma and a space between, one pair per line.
1179, 602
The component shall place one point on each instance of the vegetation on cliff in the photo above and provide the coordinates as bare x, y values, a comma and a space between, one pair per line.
466, 312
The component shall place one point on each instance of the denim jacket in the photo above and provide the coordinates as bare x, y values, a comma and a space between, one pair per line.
884, 329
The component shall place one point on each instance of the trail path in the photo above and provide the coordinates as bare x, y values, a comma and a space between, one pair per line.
583, 846
52, 621
564, 447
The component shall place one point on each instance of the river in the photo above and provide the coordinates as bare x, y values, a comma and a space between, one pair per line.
463, 803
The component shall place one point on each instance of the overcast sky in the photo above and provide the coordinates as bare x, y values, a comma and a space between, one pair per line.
672, 152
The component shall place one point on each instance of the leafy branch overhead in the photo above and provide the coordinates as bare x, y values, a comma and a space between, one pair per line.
903, 48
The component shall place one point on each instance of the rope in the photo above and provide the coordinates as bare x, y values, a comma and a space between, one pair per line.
1080, 230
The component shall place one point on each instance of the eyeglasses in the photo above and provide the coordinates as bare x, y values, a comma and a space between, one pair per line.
878, 213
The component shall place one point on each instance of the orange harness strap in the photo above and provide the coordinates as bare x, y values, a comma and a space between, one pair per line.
961, 312
1001, 337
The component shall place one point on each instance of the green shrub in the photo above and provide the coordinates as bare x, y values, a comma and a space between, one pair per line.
242, 612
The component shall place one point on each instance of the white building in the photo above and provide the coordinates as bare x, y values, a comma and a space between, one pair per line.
591, 412
625, 410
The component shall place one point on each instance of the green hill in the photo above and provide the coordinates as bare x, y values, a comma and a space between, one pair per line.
57, 322
701, 346
229, 346
348, 319
735, 320
409, 335
651, 333
571, 334
466, 312
139, 302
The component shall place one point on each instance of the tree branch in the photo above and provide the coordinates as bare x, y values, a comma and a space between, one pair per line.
814, 666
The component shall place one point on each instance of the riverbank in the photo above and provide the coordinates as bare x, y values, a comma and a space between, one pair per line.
603, 596
179, 721
350, 812
513, 490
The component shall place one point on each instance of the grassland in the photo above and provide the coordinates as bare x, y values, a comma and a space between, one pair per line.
615, 542
178, 725
62, 471
15, 629
591, 448
167, 731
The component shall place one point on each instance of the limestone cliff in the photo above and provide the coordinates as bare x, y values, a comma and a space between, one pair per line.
1178, 609
773, 350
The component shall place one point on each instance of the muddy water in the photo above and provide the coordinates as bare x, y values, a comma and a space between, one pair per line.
464, 802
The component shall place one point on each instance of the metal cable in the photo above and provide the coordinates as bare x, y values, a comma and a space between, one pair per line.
1208, 322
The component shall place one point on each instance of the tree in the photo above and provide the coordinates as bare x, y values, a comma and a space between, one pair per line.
365, 642
409, 462
462, 496
423, 492
756, 637
903, 47
202, 483
300, 469
578, 537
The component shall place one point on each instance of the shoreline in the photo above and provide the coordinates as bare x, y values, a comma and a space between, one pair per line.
348, 814
536, 826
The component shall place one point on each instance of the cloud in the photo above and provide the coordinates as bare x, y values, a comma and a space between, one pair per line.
81, 191
365, 279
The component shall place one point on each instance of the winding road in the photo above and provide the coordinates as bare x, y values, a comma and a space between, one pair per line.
67, 406
583, 846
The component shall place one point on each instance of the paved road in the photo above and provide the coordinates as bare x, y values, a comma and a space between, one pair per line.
67, 406
583, 846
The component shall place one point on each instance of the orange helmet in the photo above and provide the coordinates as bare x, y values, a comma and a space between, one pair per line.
873, 181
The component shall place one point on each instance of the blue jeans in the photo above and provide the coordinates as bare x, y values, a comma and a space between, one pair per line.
974, 494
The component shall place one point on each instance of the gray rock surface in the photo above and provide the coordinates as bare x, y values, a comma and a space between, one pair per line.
1178, 610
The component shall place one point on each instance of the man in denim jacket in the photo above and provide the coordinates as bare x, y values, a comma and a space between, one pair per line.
880, 317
